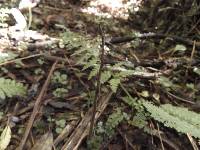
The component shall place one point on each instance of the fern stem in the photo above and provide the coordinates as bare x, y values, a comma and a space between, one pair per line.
98, 88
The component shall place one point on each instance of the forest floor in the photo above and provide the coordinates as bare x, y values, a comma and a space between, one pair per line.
81, 57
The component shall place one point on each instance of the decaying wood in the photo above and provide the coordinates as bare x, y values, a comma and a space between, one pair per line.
82, 129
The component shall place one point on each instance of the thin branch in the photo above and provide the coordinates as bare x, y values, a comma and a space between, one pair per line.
36, 109
117, 40
161, 141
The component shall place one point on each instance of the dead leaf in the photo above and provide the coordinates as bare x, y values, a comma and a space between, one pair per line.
66, 105
5, 138
44, 143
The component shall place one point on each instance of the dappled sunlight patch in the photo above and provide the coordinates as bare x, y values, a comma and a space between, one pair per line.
112, 8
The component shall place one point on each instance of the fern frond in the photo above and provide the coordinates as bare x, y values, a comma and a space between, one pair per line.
83, 60
10, 88
140, 121
94, 71
114, 120
114, 83
183, 114
90, 63
105, 76
134, 103
181, 119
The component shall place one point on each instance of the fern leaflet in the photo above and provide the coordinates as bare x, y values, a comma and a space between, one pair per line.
114, 83
181, 119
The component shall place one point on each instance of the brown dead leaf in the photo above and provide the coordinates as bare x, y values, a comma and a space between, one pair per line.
45, 142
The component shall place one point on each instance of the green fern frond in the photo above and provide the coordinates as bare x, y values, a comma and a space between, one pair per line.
114, 83
117, 65
140, 120
83, 60
181, 119
105, 76
90, 63
114, 120
10, 88
134, 103
183, 114
94, 71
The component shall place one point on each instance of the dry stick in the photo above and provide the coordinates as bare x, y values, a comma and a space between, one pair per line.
97, 92
36, 109
18, 59
83, 127
47, 56
192, 54
126, 139
161, 141
66, 131
181, 99
191, 57
193, 143
194, 26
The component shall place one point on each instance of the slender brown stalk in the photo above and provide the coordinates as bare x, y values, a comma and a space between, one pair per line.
36, 109
98, 88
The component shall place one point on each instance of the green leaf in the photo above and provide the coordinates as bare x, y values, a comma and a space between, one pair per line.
61, 123
60, 92
5, 138
180, 48
11, 88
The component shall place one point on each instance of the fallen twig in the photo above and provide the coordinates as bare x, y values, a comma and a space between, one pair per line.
66, 131
118, 40
126, 139
36, 109
83, 127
